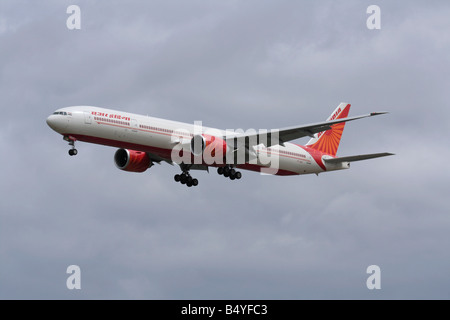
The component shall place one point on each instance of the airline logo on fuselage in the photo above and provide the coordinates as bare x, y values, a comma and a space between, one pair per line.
110, 115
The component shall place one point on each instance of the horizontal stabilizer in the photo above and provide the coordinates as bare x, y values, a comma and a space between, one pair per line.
358, 157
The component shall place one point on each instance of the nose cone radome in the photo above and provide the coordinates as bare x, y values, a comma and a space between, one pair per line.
57, 123
51, 121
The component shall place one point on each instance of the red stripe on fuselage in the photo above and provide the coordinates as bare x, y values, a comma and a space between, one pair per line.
317, 156
257, 168
163, 153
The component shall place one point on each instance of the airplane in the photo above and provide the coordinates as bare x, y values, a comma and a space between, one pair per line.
143, 141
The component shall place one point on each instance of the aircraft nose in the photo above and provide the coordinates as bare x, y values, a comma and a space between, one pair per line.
57, 122
51, 122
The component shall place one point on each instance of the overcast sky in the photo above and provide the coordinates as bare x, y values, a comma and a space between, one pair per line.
233, 65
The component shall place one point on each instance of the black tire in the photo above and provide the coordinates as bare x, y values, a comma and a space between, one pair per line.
226, 174
189, 183
189, 179
232, 172
232, 177
220, 170
238, 175
183, 180
194, 182
70, 152
177, 178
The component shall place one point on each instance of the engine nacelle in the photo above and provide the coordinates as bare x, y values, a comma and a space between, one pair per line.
212, 148
132, 161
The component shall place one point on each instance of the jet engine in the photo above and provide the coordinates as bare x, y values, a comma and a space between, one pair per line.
132, 161
211, 147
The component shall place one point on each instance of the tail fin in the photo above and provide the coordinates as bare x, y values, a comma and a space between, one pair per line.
328, 141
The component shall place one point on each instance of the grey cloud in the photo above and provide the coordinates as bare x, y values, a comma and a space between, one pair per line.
254, 64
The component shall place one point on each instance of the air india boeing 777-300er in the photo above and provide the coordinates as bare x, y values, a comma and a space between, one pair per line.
144, 140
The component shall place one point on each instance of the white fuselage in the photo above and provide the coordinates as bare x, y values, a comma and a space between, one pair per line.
159, 137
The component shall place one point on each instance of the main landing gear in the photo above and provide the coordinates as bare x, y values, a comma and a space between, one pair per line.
72, 151
229, 172
185, 178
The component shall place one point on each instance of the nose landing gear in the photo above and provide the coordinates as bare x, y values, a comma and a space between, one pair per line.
71, 140
73, 152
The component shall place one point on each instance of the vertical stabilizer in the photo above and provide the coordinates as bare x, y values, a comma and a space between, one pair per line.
328, 141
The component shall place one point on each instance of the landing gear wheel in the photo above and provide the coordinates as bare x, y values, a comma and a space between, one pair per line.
229, 172
185, 178
71, 140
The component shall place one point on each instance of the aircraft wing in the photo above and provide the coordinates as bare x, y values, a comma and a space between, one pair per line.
280, 136
358, 157
155, 158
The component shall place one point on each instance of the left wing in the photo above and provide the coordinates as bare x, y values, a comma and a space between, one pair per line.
280, 136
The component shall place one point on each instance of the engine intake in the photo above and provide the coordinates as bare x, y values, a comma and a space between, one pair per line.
212, 148
198, 144
131, 160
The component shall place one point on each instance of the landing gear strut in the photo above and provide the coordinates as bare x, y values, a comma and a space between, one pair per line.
72, 151
185, 178
229, 172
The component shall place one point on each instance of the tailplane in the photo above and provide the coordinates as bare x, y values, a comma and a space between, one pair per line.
358, 157
328, 141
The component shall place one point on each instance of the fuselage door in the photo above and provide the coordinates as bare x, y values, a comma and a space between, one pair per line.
87, 118
134, 125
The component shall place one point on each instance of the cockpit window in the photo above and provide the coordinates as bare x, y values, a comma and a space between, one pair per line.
63, 113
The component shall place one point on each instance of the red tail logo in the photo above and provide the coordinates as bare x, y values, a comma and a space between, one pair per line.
328, 141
